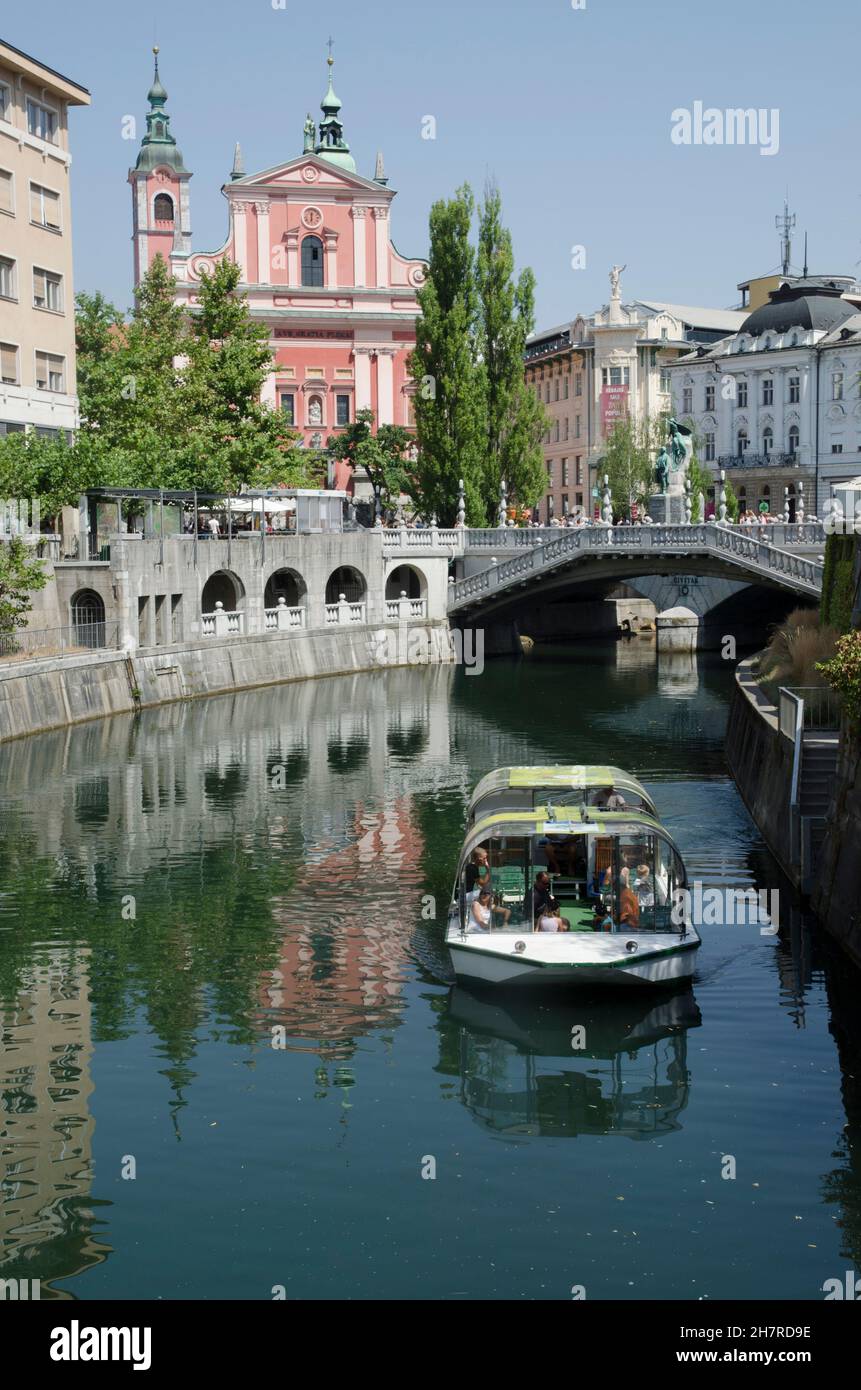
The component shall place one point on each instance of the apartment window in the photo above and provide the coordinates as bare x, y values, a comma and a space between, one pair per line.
768, 392
7, 278
564, 504
616, 376
580, 472
342, 411
7, 192
8, 364
47, 290
5, 102
742, 442
288, 407
556, 389
44, 207
556, 432
565, 388
741, 393
836, 386
666, 380
767, 441
578, 385
550, 472
794, 390
50, 372
687, 400
665, 334
837, 448
576, 426
547, 393
793, 439
710, 397
564, 472
709, 447
42, 121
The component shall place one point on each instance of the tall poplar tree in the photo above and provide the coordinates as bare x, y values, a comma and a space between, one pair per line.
450, 400
515, 417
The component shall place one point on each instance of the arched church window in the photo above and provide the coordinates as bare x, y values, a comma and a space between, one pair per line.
312, 261
163, 207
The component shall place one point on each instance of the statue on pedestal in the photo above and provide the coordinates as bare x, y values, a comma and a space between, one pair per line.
662, 469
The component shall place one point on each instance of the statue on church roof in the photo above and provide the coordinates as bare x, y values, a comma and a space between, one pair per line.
310, 132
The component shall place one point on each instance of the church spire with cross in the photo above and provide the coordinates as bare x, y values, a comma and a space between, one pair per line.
158, 146
332, 146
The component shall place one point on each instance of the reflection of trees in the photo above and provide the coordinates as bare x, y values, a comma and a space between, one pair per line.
204, 930
842, 1186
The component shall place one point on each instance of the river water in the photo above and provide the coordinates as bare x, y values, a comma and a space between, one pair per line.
233, 1060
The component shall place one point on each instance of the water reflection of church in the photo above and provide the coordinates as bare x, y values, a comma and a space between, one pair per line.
520, 1075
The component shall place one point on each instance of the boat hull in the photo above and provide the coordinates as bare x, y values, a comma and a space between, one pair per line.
566, 960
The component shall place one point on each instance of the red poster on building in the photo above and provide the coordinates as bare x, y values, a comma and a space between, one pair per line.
614, 407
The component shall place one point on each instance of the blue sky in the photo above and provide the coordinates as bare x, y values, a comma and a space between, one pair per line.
569, 110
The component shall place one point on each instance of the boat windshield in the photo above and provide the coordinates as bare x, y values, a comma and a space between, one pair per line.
624, 881
605, 798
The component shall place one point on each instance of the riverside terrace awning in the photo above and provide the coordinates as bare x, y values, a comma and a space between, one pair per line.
316, 509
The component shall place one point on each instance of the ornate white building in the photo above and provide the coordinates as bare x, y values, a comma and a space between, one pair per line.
777, 403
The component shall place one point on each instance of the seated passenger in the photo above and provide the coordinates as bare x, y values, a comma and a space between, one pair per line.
548, 921
609, 800
602, 884
629, 908
538, 897
644, 887
480, 911
602, 921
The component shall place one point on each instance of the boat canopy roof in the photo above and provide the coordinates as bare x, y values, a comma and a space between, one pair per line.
558, 777
536, 823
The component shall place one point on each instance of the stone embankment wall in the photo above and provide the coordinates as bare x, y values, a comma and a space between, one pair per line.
47, 694
760, 760
836, 898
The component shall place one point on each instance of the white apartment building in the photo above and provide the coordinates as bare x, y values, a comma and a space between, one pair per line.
37, 307
777, 404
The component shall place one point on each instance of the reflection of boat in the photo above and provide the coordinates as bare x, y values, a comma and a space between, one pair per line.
523, 1071
579, 784
619, 884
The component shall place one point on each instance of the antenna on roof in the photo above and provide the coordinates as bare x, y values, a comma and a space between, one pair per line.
784, 225
805, 256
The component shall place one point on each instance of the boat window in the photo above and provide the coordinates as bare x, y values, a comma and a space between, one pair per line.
634, 876
503, 864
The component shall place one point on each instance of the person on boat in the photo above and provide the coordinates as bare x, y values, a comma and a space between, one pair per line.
629, 908
602, 885
549, 920
644, 887
477, 872
538, 897
482, 911
608, 799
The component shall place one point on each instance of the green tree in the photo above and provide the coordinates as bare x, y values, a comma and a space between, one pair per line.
43, 469
516, 420
381, 455
20, 577
628, 462
450, 401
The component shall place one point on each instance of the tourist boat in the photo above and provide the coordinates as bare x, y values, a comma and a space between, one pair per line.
620, 884
565, 784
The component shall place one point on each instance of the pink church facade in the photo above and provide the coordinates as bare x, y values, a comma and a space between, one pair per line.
312, 239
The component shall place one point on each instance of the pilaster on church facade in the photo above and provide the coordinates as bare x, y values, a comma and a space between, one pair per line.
312, 239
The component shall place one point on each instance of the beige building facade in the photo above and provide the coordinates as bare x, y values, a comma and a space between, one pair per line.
37, 318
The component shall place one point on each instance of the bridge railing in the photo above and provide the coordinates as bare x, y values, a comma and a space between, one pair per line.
702, 537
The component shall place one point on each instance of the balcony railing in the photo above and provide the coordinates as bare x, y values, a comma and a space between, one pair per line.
343, 613
222, 623
283, 618
397, 608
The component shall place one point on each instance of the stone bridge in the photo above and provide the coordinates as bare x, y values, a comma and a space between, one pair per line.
596, 554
